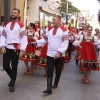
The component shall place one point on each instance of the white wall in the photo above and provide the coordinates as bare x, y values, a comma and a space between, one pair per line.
33, 11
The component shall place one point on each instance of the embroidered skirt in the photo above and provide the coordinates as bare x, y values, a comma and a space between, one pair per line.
42, 61
88, 57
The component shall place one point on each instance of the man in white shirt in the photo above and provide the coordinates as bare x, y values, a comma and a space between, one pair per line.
57, 39
13, 43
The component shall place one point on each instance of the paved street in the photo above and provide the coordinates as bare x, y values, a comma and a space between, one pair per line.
70, 86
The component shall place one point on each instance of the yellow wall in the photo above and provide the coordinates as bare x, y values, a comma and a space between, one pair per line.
14, 3
20, 5
2, 7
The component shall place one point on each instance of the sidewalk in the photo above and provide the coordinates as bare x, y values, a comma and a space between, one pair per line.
70, 86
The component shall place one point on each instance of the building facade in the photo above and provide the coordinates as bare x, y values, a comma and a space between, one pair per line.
41, 10
6, 7
98, 12
86, 13
30, 10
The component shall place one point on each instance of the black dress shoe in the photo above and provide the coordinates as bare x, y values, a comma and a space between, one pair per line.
49, 91
12, 88
54, 86
9, 84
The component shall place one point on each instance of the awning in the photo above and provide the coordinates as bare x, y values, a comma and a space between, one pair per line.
49, 11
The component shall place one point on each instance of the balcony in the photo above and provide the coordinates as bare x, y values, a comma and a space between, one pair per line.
54, 3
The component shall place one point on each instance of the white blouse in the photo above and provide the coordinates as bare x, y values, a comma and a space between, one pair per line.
35, 35
79, 39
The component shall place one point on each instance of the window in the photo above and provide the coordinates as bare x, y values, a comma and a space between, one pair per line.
41, 19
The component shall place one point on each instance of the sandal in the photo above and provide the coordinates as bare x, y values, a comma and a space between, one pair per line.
86, 81
30, 73
26, 72
83, 78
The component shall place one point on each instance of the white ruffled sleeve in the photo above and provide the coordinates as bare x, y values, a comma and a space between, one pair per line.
78, 40
3, 38
64, 45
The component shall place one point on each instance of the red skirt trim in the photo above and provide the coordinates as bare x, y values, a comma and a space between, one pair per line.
28, 60
41, 65
67, 59
89, 65
89, 69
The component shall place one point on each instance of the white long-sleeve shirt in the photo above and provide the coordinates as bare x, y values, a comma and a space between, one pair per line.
77, 42
56, 43
97, 41
16, 35
35, 35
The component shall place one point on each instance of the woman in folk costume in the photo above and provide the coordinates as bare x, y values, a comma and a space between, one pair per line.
80, 34
97, 45
29, 56
88, 59
38, 29
47, 28
27, 29
68, 51
42, 61
40, 32
73, 32
97, 37
78, 52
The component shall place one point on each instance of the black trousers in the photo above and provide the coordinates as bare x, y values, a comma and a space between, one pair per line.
11, 57
58, 63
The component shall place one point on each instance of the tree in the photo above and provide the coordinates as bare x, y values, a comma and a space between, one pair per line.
71, 8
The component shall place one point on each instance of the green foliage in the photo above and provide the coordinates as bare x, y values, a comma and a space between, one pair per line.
71, 9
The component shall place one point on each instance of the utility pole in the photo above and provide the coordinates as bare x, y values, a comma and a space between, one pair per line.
6, 11
66, 13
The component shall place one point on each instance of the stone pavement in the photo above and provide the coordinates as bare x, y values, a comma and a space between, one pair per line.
1, 60
70, 86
